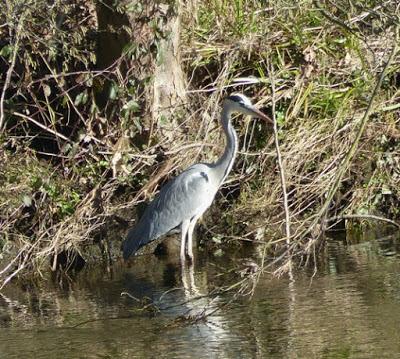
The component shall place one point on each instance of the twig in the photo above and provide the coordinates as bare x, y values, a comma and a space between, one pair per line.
335, 20
66, 93
130, 296
73, 73
344, 26
281, 171
94, 320
25, 255
14, 260
10, 71
55, 133
363, 216
363, 15
186, 147
279, 158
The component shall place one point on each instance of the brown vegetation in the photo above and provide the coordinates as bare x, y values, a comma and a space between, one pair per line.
80, 146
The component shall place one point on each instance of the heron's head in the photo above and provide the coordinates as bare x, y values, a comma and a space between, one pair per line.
240, 103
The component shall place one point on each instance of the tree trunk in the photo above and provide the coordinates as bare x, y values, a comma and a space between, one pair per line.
169, 87
154, 28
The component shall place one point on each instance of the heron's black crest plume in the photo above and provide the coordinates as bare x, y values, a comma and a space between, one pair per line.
235, 98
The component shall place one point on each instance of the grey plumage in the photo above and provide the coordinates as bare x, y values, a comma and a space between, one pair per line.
166, 211
185, 198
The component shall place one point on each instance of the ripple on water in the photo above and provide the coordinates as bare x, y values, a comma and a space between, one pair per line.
348, 309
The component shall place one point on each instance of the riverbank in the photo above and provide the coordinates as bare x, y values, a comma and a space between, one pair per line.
86, 138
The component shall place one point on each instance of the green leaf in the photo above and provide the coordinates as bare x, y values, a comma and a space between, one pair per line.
113, 91
81, 98
27, 200
217, 239
218, 253
134, 7
137, 123
131, 105
47, 90
6, 50
163, 120
280, 118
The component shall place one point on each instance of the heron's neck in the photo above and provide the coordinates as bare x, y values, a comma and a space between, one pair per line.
224, 165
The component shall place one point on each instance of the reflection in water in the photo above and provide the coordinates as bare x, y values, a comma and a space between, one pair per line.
188, 282
348, 309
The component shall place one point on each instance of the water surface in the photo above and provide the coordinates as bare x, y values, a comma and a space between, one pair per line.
348, 309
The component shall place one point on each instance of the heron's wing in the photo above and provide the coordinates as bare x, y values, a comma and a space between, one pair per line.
182, 198
189, 194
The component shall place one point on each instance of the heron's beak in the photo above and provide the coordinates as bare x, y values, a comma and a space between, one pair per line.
257, 113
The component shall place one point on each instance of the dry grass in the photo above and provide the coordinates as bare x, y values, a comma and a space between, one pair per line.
99, 163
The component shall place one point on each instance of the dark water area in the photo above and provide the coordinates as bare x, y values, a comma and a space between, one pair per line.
349, 308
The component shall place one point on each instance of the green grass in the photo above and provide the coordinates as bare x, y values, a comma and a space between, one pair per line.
325, 62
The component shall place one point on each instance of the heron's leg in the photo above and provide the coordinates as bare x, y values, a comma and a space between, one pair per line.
184, 230
192, 224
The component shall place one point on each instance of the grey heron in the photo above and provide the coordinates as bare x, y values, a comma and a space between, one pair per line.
186, 197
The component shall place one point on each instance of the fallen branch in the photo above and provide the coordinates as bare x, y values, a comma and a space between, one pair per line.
362, 216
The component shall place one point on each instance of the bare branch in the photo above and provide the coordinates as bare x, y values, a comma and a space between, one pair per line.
10, 71
55, 133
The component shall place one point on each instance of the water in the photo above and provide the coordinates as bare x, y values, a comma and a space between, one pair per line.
348, 309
